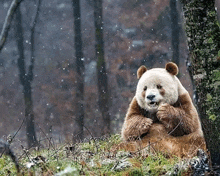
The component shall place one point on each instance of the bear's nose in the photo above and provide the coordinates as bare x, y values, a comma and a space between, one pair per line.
150, 97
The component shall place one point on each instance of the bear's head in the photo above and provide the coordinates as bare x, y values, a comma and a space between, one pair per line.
157, 86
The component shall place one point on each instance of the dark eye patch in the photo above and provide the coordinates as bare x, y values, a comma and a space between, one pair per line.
159, 86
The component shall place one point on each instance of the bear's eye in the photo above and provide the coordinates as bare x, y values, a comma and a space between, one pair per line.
159, 86
145, 88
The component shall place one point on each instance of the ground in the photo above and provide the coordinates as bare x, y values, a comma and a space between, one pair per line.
93, 157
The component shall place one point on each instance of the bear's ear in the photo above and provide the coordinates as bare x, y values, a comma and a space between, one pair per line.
172, 68
142, 69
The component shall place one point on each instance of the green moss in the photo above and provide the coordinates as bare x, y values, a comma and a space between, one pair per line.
203, 32
7, 167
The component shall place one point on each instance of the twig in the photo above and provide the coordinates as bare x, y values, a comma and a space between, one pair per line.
18, 129
178, 123
116, 164
14, 136
91, 136
89, 132
46, 136
29, 148
175, 127
26, 153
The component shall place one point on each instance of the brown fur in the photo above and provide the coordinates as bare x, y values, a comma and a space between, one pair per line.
158, 140
143, 93
162, 91
174, 129
172, 68
141, 71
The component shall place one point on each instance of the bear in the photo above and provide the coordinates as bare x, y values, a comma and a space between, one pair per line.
161, 116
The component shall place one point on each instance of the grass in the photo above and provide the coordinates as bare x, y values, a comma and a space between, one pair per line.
91, 158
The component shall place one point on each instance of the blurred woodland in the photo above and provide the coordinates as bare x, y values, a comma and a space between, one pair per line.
135, 33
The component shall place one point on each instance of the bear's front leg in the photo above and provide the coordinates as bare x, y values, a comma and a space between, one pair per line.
170, 116
134, 127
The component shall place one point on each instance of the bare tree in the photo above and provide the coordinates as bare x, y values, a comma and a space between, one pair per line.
101, 67
27, 77
7, 23
175, 31
79, 99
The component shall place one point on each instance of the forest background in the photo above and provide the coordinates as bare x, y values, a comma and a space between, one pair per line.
135, 33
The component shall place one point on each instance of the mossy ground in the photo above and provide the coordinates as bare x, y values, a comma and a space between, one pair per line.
94, 157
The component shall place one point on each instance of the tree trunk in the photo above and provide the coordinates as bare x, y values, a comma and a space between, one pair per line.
204, 46
175, 31
79, 99
25, 80
101, 68
29, 115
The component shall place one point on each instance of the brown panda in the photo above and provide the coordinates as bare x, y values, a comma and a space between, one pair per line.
162, 115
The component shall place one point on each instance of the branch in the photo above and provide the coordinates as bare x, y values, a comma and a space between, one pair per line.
33, 24
7, 23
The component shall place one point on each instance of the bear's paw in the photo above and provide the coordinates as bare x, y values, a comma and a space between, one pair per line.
167, 114
145, 125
